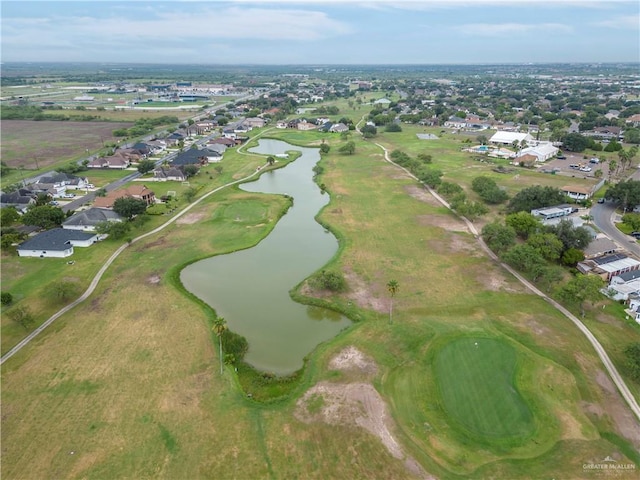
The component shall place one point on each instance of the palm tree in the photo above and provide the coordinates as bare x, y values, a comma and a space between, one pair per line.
393, 286
219, 326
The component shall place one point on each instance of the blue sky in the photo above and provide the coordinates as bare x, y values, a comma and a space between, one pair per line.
322, 32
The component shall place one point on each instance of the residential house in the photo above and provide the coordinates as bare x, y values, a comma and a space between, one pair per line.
229, 133
338, 128
281, 124
609, 266
57, 242
633, 120
605, 133
86, 220
255, 122
623, 285
306, 126
71, 182
547, 213
228, 142
115, 161
600, 246
577, 192
136, 191
163, 174
455, 122
192, 156
240, 129
20, 199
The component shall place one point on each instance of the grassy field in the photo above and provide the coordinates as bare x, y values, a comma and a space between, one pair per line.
26, 142
126, 385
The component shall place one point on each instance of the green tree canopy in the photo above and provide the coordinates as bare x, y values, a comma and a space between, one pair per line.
129, 207
581, 289
536, 196
488, 190
498, 237
526, 259
348, 148
45, 216
523, 223
626, 194
146, 166
547, 245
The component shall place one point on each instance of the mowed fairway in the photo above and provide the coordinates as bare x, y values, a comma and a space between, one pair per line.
476, 377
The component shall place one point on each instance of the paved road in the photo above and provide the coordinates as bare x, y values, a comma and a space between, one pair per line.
608, 364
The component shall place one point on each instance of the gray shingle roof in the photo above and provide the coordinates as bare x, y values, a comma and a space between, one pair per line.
55, 239
92, 217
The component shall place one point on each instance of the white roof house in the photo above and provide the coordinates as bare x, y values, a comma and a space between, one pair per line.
542, 151
507, 138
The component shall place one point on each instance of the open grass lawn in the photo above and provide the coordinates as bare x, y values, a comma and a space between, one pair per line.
127, 384
476, 378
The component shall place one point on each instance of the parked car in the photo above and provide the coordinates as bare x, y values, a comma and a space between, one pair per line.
561, 157
601, 200
635, 234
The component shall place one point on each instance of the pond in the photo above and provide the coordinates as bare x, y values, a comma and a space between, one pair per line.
250, 288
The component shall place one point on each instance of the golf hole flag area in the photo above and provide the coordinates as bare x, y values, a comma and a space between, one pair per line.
475, 378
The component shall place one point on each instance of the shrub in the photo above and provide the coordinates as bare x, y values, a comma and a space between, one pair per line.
332, 281
6, 298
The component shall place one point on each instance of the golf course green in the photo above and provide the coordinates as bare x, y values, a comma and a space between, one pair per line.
476, 382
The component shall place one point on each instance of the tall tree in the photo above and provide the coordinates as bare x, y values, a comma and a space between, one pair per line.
392, 286
45, 216
219, 326
581, 289
129, 207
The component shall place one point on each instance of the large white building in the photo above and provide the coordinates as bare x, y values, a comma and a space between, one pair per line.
507, 138
543, 151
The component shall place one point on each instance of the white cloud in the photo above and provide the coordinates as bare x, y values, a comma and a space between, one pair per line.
505, 29
627, 21
201, 23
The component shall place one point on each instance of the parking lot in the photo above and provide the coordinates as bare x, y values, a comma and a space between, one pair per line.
562, 167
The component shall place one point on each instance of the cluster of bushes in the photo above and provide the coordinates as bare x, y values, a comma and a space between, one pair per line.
418, 166
143, 126
488, 190
328, 280
540, 249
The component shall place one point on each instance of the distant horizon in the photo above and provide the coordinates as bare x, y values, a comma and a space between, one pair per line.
322, 32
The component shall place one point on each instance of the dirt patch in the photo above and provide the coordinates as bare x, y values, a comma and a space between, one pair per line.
618, 410
446, 222
397, 174
362, 295
190, 218
421, 194
354, 404
352, 359
154, 279
159, 242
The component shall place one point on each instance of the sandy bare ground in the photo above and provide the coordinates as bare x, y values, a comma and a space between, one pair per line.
421, 194
190, 218
354, 404
362, 294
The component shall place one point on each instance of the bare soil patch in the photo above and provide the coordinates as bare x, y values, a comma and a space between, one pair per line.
421, 194
352, 359
446, 222
354, 404
190, 218
24, 141
363, 295
621, 415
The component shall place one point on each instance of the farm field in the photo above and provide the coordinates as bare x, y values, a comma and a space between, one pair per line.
137, 366
25, 141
